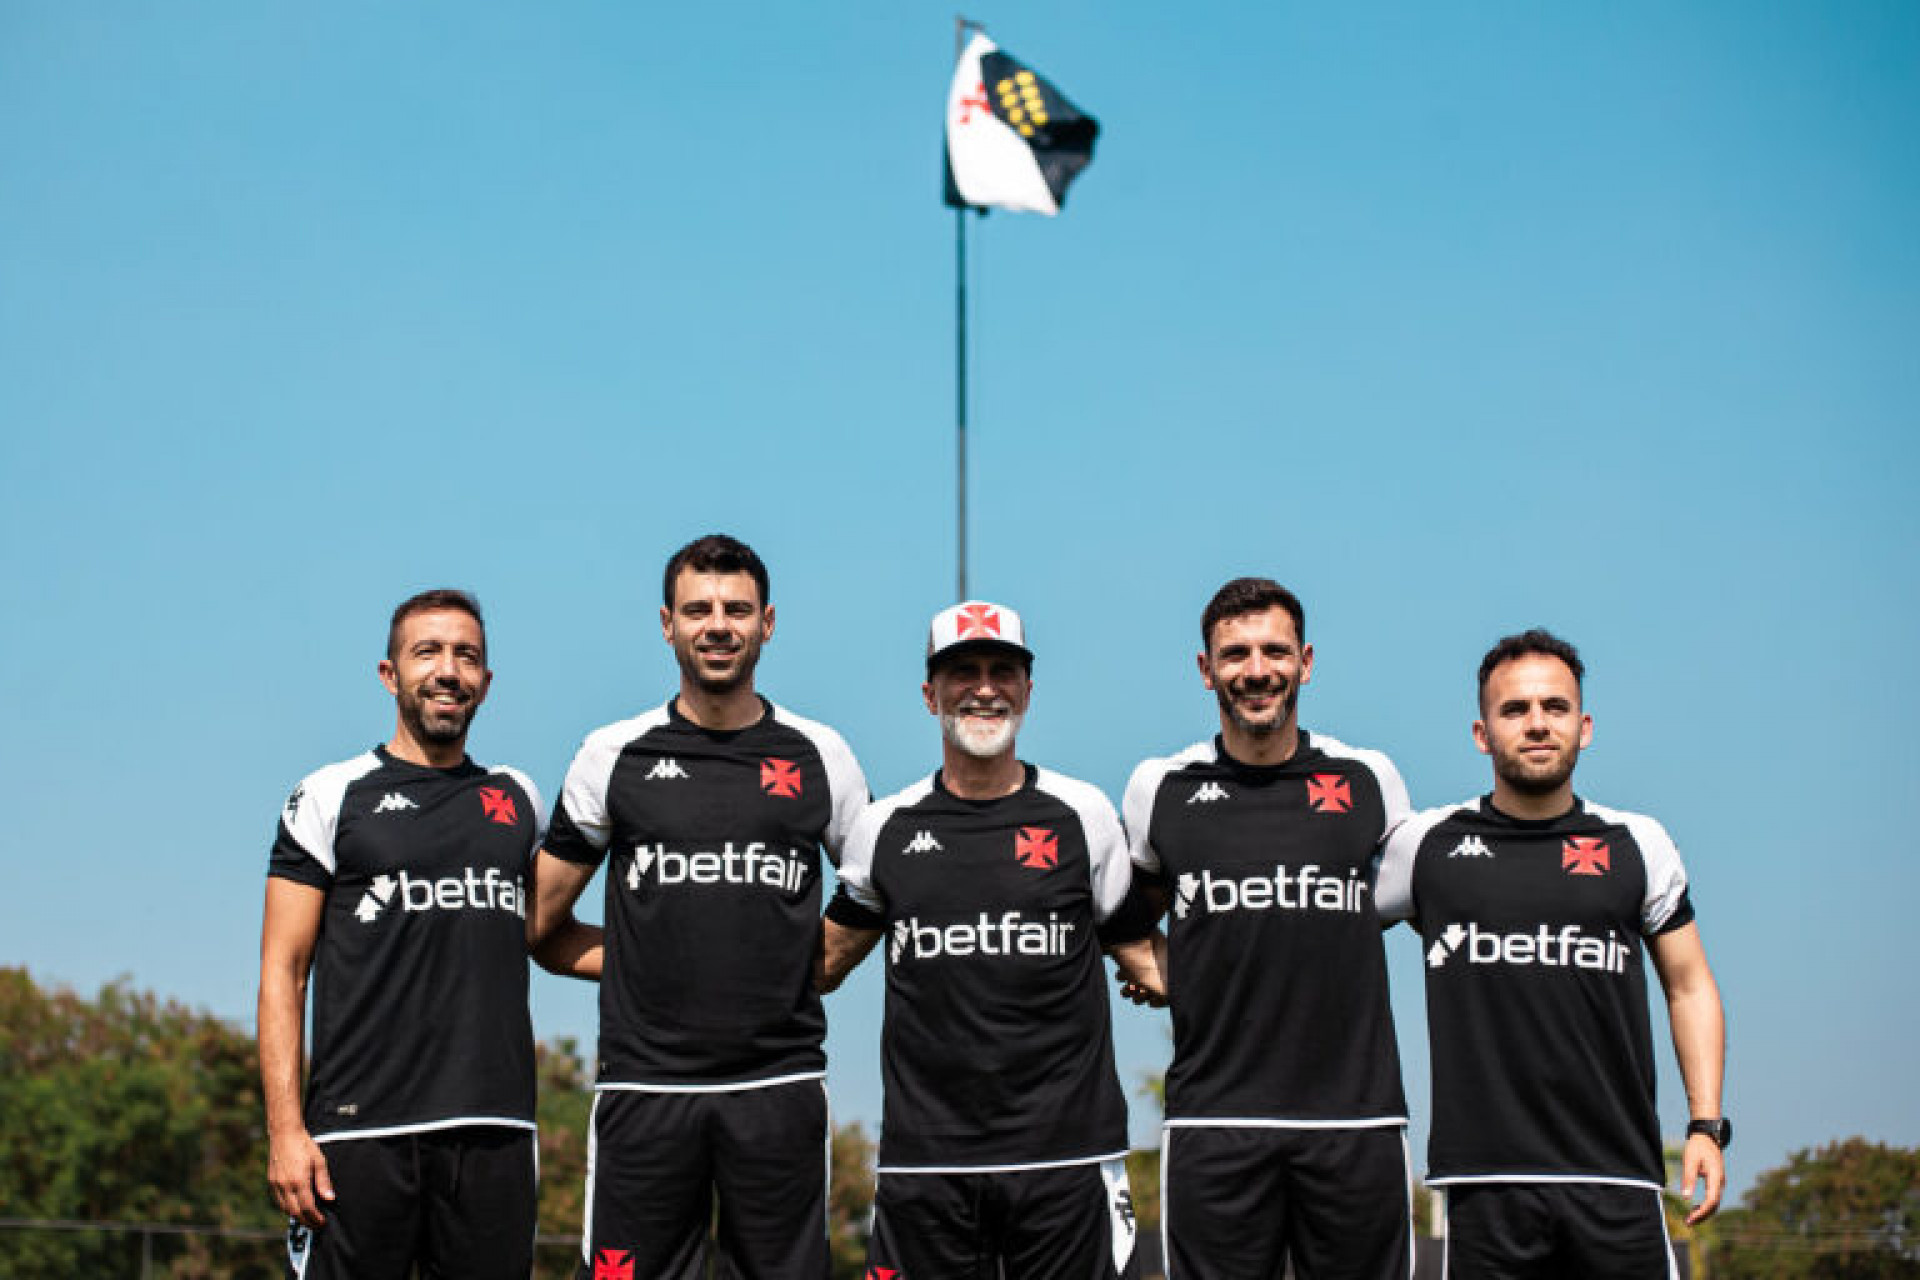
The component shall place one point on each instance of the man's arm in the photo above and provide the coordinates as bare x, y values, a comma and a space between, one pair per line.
1700, 1044
561, 943
296, 1169
842, 948
1142, 962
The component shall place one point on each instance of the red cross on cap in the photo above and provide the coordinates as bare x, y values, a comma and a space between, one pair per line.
976, 622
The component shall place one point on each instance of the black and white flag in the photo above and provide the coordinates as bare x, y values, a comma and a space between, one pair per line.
1013, 142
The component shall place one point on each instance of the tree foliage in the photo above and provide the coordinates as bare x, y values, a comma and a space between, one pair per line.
850, 1201
1848, 1211
126, 1108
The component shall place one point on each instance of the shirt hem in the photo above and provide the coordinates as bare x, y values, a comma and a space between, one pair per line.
1018, 1167
624, 1086
1267, 1122
455, 1122
1457, 1179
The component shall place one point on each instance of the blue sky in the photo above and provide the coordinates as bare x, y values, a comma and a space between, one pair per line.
1457, 320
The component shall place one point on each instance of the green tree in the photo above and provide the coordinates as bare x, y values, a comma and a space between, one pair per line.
1848, 1211
127, 1108
850, 1200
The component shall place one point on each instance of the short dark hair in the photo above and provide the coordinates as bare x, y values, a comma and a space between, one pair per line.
1250, 595
427, 602
716, 553
1534, 641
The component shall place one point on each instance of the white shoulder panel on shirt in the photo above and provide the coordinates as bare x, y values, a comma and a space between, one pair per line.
1106, 842
1143, 788
1393, 788
1666, 877
856, 857
1393, 887
846, 784
583, 796
313, 811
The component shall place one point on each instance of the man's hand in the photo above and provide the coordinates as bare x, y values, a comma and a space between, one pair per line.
297, 1172
1703, 1158
1142, 969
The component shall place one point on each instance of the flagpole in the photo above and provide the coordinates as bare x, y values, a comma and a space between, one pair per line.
960, 25
960, 393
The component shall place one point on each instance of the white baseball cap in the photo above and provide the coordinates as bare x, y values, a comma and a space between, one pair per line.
976, 624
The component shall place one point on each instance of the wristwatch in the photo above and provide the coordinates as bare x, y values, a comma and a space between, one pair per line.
1720, 1129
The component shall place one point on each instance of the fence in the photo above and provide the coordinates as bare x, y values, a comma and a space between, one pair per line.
30, 1250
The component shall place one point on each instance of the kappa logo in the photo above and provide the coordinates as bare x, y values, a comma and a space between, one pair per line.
1470, 847
1568, 947
487, 890
1036, 847
977, 622
780, 777
922, 842
1304, 890
293, 801
1329, 793
498, 806
665, 769
394, 802
1585, 856
1207, 793
613, 1264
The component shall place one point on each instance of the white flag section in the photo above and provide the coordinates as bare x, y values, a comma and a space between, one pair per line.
992, 166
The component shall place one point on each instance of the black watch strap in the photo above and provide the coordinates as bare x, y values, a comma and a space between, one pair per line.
1720, 1129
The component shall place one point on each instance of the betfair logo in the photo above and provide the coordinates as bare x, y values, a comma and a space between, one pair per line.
487, 890
1569, 947
753, 864
1303, 890
1021, 103
1009, 934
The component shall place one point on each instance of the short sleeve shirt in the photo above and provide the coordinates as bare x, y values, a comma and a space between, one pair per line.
1537, 1019
997, 1045
713, 842
419, 982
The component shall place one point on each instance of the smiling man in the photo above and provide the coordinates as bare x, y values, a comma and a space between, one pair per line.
996, 886
712, 812
398, 883
1285, 1129
1533, 904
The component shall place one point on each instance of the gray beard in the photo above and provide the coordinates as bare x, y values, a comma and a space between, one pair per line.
981, 746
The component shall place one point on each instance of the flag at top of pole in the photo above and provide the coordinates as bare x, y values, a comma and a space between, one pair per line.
1013, 142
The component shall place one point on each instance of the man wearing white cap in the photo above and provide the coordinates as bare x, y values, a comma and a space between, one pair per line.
996, 885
